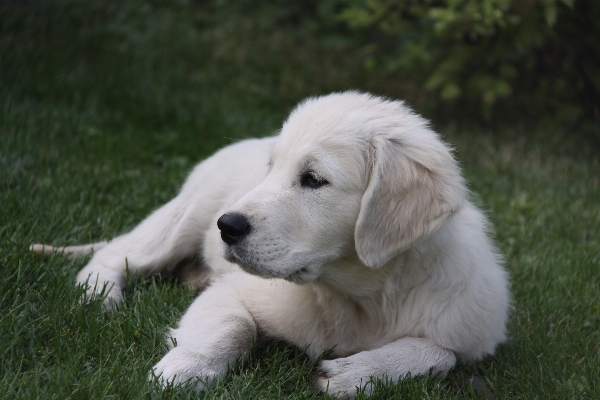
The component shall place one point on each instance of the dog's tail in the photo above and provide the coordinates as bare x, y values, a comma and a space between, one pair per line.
45, 251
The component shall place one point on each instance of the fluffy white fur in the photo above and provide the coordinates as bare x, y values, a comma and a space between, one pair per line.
388, 263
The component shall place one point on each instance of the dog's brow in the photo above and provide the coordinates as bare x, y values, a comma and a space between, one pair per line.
321, 164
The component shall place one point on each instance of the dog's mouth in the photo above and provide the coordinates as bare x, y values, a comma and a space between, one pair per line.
249, 264
300, 276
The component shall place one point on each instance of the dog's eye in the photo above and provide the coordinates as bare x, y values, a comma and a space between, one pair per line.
310, 180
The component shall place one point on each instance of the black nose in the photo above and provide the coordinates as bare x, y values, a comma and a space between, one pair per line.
233, 227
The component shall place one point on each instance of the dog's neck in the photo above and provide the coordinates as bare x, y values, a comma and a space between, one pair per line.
369, 288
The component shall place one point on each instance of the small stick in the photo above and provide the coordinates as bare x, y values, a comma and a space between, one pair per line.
45, 251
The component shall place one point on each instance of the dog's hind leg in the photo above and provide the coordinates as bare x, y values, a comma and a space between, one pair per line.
175, 233
168, 236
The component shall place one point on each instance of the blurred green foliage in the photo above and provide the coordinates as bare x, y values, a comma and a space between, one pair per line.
538, 57
531, 62
482, 60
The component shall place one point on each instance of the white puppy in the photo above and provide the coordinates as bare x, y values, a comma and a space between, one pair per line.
356, 234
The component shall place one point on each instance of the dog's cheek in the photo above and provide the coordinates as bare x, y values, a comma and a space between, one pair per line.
336, 224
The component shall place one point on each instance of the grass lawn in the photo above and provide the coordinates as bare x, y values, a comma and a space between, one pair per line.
104, 109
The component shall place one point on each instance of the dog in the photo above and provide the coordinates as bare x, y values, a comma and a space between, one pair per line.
351, 231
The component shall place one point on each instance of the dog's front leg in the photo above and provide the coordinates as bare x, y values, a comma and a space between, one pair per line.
343, 376
212, 336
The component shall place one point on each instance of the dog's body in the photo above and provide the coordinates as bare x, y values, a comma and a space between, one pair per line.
358, 215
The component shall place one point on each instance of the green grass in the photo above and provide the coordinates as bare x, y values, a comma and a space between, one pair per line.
105, 107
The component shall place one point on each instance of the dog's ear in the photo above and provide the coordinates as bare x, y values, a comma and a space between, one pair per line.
413, 188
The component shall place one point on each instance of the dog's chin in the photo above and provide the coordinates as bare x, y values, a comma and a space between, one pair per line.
301, 276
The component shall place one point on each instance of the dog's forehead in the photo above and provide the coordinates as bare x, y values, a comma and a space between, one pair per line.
312, 151
316, 141
327, 123
349, 117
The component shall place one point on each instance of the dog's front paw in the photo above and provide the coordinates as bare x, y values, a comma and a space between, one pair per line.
344, 377
181, 365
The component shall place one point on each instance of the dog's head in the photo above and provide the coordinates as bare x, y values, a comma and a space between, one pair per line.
350, 175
